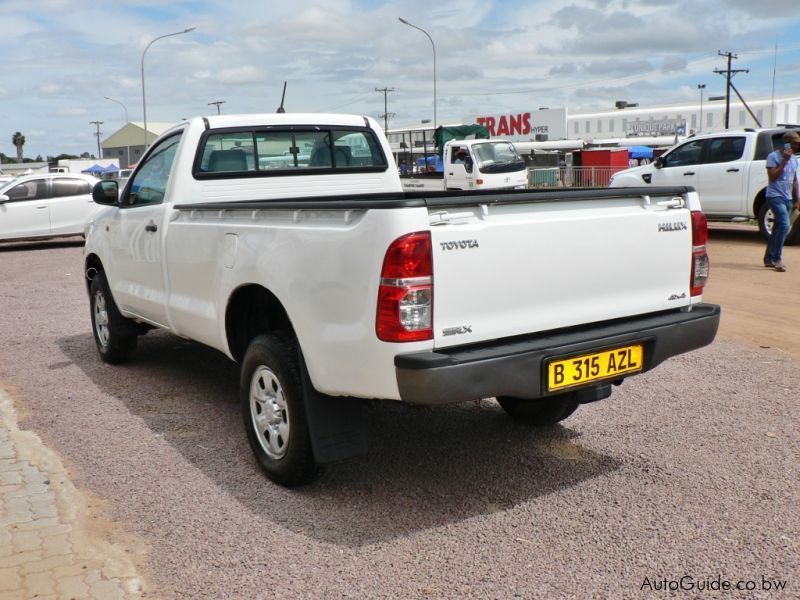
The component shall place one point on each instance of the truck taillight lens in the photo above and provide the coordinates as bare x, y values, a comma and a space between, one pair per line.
699, 254
405, 296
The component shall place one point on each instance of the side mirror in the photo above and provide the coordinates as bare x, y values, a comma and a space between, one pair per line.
106, 192
658, 162
4, 198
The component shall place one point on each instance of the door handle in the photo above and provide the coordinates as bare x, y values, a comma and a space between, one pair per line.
151, 227
40, 207
732, 171
688, 173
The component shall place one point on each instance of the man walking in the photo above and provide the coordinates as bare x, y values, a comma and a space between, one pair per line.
782, 194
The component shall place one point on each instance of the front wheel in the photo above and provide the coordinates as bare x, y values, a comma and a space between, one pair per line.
541, 412
273, 408
109, 326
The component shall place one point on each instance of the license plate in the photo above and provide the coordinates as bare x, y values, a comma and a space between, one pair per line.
585, 368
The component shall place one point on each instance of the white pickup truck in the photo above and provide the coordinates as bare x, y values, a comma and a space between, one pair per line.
474, 164
329, 284
728, 170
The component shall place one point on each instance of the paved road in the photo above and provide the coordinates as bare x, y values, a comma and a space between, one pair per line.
690, 470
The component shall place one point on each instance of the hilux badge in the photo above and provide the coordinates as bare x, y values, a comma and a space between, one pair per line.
675, 226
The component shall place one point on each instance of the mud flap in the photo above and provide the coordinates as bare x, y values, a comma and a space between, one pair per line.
336, 424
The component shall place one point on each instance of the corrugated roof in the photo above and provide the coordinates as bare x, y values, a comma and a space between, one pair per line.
132, 134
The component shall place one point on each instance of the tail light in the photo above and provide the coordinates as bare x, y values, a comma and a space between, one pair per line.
699, 255
405, 296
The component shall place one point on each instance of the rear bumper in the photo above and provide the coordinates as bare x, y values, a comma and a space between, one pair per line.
516, 367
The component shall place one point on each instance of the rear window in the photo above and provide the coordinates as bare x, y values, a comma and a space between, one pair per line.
288, 151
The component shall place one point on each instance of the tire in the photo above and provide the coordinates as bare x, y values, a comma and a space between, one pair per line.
766, 220
111, 330
541, 412
273, 409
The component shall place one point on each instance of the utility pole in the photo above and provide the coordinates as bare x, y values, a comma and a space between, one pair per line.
701, 87
385, 91
97, 124
728, 74
217, 103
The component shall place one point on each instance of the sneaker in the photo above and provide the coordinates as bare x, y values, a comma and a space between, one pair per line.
780, 267
769, 264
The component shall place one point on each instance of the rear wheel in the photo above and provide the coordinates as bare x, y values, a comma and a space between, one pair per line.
111, 330
766, 220
541, 412
273, 409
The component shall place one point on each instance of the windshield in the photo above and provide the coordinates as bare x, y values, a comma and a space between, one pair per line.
497, 157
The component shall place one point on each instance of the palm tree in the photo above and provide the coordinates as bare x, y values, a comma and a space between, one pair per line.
19, 141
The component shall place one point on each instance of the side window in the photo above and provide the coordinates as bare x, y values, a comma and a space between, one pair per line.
35, 189
64, 186
150, 182
688, 154
725, 149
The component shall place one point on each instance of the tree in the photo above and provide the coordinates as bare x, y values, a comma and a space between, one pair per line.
19, 141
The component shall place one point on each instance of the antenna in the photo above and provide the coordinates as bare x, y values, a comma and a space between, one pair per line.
280, 108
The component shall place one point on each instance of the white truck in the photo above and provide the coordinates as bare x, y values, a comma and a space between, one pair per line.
475, 164
728, 170
330, 285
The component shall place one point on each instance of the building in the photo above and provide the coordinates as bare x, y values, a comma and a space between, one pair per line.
127, 144
683, 119
556, 129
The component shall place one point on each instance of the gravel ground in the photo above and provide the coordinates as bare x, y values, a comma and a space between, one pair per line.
689, 470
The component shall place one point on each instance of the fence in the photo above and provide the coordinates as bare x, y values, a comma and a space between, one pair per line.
571, 176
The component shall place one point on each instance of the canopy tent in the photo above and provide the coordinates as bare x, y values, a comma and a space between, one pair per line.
640, 152
95, 169
445, 133
112, 168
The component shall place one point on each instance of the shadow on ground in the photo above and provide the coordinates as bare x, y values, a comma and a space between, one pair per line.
426, 467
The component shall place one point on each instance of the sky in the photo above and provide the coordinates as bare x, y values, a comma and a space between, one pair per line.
61, 58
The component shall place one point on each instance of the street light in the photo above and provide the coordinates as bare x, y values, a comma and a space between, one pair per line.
404, 22
127, 147
144, 103
701, 87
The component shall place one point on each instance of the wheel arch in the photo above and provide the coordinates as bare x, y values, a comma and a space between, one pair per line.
91, 266
252, 310
759, 201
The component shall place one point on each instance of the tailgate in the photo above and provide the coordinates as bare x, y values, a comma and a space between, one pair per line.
521, 266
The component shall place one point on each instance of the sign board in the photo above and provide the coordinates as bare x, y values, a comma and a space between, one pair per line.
525, 126
655, 127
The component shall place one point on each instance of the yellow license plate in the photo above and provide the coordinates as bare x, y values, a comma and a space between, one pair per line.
586, 368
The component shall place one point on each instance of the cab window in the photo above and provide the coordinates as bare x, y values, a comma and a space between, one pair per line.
149, 185
725, 149
688, 154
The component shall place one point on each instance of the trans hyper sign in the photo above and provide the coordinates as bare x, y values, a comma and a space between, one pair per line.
523, 126
519, 124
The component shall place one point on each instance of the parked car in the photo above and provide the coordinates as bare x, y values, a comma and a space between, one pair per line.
45, 206
728, 170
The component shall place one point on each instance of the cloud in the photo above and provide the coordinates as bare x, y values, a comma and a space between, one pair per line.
243, 75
